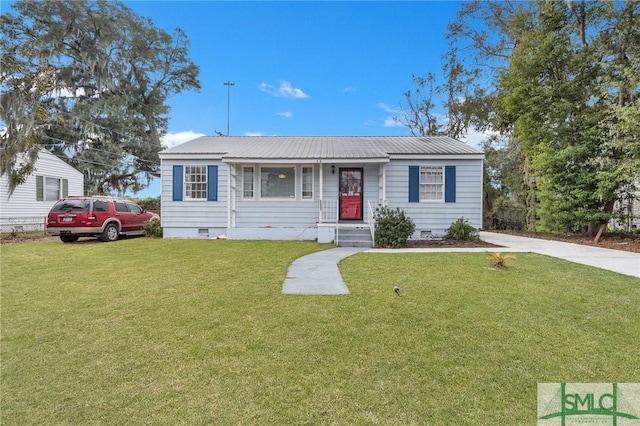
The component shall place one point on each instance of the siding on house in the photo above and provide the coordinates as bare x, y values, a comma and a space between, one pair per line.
22, 209
437, 216
185, 218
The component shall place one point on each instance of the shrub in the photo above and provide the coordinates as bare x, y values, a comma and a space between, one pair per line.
393, 227
461, 230
150, 203
153, 229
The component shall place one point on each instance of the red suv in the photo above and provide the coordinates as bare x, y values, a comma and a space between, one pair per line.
104, 217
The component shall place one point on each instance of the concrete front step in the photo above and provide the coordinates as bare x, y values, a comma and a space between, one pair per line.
354, 237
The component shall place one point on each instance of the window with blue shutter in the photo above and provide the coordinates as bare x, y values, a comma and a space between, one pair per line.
414, 184
450, 184
212, 182
177, 183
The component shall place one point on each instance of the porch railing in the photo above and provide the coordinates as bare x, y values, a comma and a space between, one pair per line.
329, 211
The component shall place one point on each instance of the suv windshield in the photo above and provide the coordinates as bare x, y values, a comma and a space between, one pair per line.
71, 205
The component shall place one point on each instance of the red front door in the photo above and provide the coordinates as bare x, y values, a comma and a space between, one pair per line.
350, 194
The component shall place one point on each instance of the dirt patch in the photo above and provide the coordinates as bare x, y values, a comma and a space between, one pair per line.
25, 237
616, 242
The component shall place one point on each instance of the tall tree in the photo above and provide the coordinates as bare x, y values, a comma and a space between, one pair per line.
566, 76
459, 96
487, 32
89, 81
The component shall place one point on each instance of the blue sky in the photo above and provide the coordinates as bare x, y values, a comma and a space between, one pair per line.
308, 68
301, 68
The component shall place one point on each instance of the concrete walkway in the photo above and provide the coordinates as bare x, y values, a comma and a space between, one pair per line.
317, 273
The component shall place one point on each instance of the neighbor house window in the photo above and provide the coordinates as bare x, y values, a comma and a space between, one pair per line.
247, 183
307, 183
278, 182
51, 189
195, 182
431, 183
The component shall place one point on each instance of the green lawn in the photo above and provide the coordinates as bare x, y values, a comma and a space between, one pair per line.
145, 331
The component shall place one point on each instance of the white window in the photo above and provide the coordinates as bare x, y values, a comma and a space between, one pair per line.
195, 182
247, 183
307, 183
431, 183
278, 182
51, 189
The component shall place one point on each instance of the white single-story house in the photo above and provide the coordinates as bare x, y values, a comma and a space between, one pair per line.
27, 208
316, 188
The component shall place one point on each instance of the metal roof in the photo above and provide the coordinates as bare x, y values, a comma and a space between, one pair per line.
320, 147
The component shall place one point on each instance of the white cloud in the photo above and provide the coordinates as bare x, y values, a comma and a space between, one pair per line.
475, 138
172, 139
390, 122
253, 134
388, 108
285, 114
349, 89
286, 90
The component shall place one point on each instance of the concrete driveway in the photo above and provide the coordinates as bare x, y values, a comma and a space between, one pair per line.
623, 262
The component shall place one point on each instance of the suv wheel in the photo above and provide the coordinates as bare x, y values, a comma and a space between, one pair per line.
110, 233
68, 238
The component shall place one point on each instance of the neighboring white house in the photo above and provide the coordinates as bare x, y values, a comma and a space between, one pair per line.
630, 210
312, 188
27, 208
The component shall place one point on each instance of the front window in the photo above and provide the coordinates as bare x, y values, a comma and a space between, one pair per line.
307, 183
431, 183
195, 182
247, 183
278, 182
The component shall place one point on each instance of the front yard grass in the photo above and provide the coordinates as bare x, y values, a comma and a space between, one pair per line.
146, 331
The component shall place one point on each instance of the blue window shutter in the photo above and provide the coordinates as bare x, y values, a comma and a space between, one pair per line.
450, 184
414, 184
212, 183
177, 183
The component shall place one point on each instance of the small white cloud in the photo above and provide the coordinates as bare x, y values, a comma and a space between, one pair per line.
286, 90
391, 122
475, 137
348, 89
253, 134
388, 108
285, 114
172, 139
